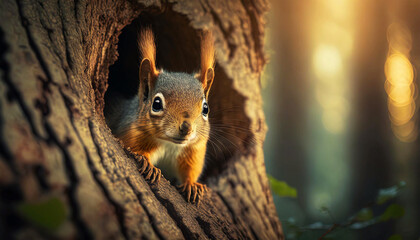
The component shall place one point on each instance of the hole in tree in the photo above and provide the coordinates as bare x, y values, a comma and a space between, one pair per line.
178, 50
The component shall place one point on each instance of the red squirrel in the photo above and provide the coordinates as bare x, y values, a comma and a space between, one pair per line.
167, 122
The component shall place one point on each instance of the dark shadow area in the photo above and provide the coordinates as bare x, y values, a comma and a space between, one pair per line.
178, 50
230, 133
177, 46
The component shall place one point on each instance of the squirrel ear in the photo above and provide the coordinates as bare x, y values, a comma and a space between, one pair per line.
207, 80
147, 78
147, 72
207, 61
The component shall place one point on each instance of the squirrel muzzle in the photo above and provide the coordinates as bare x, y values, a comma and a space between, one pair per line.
185, 129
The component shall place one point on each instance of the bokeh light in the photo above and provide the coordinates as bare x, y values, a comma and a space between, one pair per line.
399, 84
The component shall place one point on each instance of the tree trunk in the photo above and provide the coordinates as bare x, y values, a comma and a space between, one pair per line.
58, 155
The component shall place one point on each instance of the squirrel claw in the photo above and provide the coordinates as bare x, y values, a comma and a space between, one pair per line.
149, 171
194, 191
144, 165
156, 175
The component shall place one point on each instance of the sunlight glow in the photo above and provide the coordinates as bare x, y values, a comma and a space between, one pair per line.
327, 61
332, 84
333, 43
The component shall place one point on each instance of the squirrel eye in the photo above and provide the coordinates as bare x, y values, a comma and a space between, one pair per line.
205, 109
157, 105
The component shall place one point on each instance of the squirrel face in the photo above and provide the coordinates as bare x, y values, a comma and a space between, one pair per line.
173, 106
177, 108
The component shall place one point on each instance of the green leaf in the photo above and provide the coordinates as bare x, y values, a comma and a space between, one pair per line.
387, 194
49, 214
395, 237
324, 209
364, 215
281, 188
393, 211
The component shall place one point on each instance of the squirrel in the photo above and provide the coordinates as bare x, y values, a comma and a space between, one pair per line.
167, 122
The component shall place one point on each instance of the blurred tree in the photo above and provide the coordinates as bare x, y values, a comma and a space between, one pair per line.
291, 85
372, 149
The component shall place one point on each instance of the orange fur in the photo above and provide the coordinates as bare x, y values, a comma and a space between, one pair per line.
146, 44
207, 53
191, 162
140, 141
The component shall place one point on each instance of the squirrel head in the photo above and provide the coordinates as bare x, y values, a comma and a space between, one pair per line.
173, 106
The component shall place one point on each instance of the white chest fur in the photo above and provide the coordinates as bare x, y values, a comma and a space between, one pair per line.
165, 158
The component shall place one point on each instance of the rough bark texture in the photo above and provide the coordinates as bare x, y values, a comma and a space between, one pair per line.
54, 61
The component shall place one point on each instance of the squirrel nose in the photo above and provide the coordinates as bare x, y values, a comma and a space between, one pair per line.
185, 128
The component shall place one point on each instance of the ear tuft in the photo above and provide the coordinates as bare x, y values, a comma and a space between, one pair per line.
146, 43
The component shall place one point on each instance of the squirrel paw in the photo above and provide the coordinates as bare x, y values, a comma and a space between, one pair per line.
194, 190
150, 172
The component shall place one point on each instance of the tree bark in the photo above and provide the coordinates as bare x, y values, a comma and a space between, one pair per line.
55, 144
